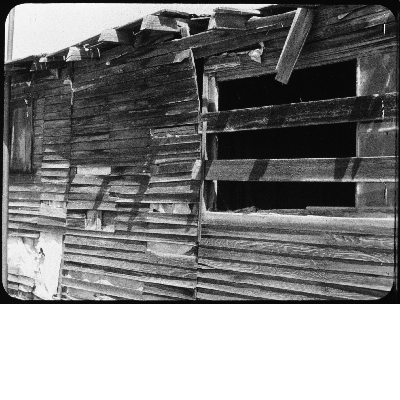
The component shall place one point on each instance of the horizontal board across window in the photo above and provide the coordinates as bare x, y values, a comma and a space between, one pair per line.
351, 169
349, 109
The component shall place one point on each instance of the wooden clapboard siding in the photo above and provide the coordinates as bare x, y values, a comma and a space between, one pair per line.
363, 169
278, 257
55, 169
137, 117
120, 135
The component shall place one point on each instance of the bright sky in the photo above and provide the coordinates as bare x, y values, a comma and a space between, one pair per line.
49, 27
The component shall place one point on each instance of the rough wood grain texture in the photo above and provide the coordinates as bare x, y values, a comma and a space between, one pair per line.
245, 282
350, 109
363, 169
360, 274
258, 222
295, 40
300, 250
325, 44
283, 20
377, 74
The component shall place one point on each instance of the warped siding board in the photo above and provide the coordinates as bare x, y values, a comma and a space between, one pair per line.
129, 72
137, 104
133, 96
362, 169
98, 89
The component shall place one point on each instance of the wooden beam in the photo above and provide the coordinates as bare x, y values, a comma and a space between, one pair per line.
349, 109
283, 20
236, 11
362, 169
269, 222
295, 40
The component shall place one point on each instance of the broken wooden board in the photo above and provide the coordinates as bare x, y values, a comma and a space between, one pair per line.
295, 40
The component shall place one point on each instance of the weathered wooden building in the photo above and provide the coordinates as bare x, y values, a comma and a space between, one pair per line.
246, 155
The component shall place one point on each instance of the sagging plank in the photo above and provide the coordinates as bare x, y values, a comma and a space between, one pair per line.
295, 40
352, 169
348, 109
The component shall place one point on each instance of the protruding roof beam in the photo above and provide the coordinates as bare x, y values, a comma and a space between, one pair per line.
159, 23
230, 18
295, 40
155, 29
115, 36
45, 63
82, 53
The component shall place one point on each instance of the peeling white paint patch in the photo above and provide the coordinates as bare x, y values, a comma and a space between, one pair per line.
39, 259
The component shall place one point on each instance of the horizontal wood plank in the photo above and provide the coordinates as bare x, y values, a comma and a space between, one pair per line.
349, 109
352, 169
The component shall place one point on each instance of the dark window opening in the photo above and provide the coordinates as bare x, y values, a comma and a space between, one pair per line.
327, 141
284, 195
311, 84
318, 141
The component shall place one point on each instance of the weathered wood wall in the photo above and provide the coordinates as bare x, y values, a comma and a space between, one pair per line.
134, 147
121, 136
283, 257
305, 257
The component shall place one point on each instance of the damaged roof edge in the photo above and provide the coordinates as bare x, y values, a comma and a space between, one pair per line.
164, 12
